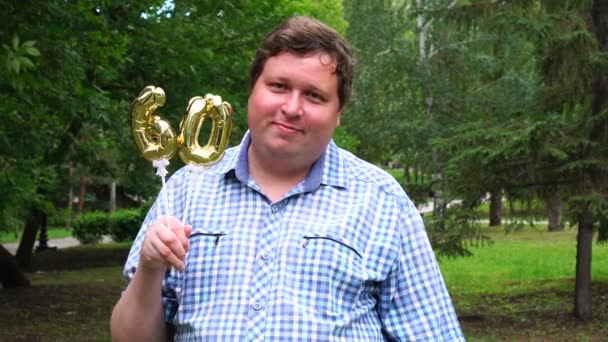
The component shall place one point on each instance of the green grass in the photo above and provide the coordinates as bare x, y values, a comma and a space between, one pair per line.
519, 289
53, 233
396, 173
518, 261
522, 288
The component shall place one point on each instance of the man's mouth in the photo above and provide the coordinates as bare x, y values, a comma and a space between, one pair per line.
287, 128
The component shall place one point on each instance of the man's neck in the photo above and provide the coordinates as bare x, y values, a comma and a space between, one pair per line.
275, 177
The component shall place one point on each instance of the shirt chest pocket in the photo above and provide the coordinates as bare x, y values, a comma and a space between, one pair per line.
208, 264
326, 266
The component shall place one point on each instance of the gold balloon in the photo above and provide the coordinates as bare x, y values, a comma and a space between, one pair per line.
153, 136
200, 109
156, 140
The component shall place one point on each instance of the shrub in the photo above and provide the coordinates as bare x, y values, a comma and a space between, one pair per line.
418, 193
60, 218
90, 227
125, 223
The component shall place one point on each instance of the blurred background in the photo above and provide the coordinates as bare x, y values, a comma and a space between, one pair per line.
493, 115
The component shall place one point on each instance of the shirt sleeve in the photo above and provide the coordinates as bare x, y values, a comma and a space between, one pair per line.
414, 301
158, 209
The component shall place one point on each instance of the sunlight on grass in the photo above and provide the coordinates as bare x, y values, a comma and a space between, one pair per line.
520, 261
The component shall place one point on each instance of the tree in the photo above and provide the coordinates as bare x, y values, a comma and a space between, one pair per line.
405, 89
560, 140
73, 67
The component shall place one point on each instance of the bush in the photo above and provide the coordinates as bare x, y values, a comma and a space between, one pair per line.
418, 193
60, 218
125, 223
90, 227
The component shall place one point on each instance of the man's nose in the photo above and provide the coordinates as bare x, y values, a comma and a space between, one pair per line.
293, 104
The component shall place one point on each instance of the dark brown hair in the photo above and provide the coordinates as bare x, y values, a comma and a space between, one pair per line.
303, 36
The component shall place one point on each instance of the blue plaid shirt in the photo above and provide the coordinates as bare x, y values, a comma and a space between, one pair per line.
343, 256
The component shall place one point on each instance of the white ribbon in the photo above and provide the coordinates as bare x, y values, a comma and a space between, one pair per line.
161, 166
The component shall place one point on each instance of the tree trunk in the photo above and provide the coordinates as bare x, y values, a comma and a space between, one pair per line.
439, 202
554, 208
10, 275
70, 204
407, 177
495, 208
584, 243
81, 194
43, 237
26, 245
582, 297
112, 197
68, 220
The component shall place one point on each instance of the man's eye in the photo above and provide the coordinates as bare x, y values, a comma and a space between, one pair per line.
316, 97
278, 86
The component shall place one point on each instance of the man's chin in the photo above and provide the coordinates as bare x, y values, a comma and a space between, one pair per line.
283, 154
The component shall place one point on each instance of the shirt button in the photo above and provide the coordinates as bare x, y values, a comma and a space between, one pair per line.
257, 306
274, 208
265, 256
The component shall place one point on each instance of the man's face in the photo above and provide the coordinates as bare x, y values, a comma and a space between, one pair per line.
293, 108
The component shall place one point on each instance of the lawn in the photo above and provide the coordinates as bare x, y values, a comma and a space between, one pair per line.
522, 288
519, 289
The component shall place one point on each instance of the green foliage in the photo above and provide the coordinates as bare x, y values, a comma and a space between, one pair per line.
418, 192
69, 69
18, 56
90, 227
453, 233
125, 223
344, 140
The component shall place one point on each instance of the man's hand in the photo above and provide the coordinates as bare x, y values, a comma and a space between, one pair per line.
165, 245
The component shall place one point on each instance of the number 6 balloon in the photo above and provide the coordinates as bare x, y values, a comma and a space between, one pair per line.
153, 136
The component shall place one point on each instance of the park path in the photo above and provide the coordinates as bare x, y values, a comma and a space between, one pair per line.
59, 243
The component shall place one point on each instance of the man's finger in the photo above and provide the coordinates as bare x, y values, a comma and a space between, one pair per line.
167, 255
182, 233
172, 240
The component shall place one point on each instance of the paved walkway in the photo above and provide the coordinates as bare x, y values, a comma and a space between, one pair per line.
59, 243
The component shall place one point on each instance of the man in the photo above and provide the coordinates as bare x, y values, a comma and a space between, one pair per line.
291, 238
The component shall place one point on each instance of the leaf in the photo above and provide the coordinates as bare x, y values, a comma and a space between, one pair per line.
26, 62
15, 42
29, 43
32, 51
15, 65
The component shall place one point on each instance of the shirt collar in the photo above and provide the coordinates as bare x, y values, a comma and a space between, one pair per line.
329, 169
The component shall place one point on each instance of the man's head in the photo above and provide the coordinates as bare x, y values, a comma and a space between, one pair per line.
304, 36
